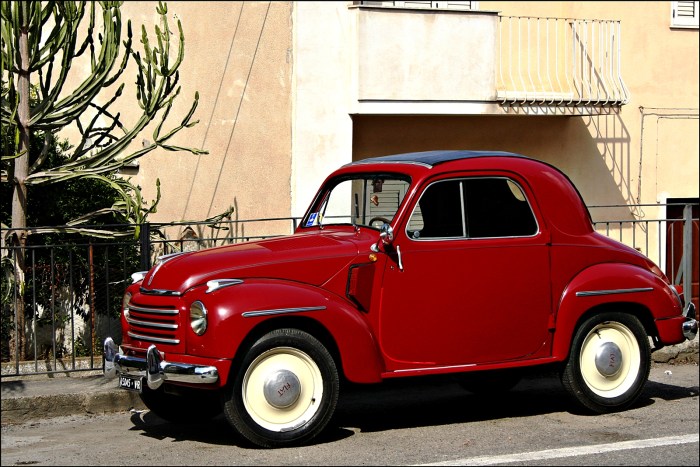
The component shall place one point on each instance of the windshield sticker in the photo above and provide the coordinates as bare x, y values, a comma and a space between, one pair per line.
312, 219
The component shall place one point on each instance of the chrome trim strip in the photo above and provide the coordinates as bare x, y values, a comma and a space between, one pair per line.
363, 162
690, 326
689, 310
170, 293
164, 258
156, 311
217, 284
150, 324
447, 367
279, 311
161, 261
592, 293
153, 339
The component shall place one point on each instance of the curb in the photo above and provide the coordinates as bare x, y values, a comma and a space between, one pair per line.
687, 351
23, 409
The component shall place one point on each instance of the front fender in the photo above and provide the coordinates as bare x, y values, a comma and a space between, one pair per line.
235, 311
609, 284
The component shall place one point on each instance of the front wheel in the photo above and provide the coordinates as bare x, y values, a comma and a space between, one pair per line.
609, 362
286, 390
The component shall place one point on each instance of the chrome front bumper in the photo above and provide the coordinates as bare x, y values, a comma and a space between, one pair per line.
690, 326
154, 368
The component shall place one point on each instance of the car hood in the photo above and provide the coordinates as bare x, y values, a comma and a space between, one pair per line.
311, 258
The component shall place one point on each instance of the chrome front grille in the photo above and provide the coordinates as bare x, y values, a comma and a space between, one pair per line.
153, 324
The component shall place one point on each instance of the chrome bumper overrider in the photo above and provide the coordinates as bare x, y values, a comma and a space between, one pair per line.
154, 368
690, 326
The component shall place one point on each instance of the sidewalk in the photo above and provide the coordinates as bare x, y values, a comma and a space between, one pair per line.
33, 398
25, 400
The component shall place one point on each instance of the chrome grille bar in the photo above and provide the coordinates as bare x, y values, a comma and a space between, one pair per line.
153, 339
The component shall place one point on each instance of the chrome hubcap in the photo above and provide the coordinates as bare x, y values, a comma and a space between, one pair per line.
608, 359
281, 389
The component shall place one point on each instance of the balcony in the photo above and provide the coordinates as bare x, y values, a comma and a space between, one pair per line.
422, 61
559, 66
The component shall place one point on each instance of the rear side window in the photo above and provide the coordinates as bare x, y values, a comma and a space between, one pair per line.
472, 208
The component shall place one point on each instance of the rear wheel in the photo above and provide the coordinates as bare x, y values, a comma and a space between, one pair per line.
286, 391
609, 362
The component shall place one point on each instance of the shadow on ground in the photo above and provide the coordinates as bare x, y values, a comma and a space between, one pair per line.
410, 403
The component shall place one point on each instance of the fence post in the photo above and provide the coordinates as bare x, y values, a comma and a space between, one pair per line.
144, 240
687, 252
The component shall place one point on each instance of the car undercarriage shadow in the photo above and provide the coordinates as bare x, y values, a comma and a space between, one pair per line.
413, 402
439, 401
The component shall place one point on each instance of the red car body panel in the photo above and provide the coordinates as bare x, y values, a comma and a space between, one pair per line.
426, 307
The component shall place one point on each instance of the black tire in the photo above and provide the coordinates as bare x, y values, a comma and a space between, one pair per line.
182, 404
285, 392
490, 382
609, 362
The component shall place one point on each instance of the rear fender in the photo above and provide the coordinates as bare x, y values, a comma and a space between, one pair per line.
608, 284
236, 312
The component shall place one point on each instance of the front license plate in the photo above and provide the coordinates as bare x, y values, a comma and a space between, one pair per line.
132, 383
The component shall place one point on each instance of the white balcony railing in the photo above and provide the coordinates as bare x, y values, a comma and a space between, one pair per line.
559, 62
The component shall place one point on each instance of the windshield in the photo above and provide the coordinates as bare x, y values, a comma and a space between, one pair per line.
359, 199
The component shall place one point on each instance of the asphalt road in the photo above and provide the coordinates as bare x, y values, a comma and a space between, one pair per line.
403, 423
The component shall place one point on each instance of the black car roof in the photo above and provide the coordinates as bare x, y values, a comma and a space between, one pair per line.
432, 158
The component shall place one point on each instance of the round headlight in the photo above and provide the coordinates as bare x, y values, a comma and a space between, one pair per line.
198, 317
125, 304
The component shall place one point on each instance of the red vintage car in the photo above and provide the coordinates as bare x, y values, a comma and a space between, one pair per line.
471, 264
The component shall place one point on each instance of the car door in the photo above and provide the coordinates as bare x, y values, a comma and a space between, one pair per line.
470, 282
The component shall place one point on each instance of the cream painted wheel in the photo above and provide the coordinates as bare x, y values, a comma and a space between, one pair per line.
609, 359
285, 391
609, 362
282, 389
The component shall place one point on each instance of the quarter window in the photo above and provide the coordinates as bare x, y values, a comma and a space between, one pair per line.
472, 208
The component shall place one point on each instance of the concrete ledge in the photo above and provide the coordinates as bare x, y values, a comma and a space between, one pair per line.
24, 409
27, 400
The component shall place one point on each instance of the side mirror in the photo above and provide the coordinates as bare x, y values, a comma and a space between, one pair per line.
386, 234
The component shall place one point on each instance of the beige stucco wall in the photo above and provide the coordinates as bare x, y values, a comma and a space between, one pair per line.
650, 147
321, 126
292, 90
395, 56
645, 153
238, 57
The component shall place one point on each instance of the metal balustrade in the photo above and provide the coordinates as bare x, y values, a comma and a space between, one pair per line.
559, 62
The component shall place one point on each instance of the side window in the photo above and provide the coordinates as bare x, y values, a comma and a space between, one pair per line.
472, 208
439, 213
496, 207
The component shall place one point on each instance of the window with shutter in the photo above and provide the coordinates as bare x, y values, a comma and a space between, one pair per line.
684, 14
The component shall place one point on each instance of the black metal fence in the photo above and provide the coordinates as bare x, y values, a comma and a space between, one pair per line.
71, 286
671, 242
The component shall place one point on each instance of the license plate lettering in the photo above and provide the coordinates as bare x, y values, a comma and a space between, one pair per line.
132, 384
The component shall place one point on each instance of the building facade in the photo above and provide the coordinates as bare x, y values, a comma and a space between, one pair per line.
606, 91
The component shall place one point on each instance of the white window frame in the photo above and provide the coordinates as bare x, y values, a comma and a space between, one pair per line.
684, 20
